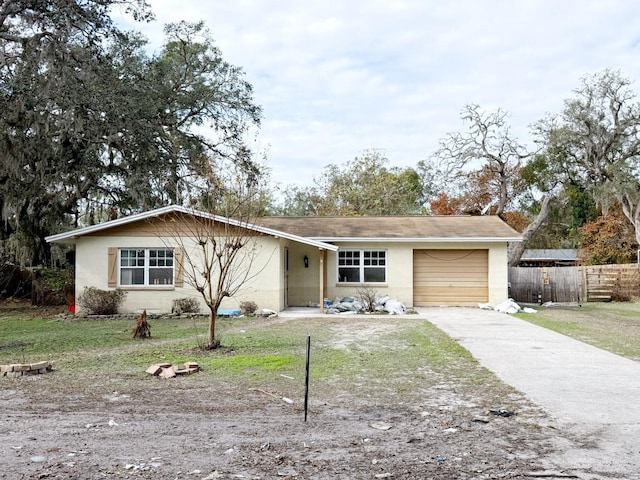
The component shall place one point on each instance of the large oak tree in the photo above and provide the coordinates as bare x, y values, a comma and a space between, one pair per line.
93, 126
596, 141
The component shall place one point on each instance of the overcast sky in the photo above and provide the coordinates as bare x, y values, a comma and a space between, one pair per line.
336, 77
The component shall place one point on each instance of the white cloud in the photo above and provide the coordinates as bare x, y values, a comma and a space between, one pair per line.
335, 77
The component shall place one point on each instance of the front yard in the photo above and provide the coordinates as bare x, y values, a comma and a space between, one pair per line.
390, 397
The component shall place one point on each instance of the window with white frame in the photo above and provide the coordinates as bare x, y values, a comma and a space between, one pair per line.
362, 266
145, 267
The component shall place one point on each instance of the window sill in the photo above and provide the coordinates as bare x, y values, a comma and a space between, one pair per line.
163, 288
359, 284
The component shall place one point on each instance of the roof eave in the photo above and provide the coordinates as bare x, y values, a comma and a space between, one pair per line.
79, 232
419, 239
71, 236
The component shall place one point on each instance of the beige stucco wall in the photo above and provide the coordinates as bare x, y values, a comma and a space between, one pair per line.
498, 273
399, 283
304, 284
265, 288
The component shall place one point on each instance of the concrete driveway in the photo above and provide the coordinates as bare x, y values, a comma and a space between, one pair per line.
590, 392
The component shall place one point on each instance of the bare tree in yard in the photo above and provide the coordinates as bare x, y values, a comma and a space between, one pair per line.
486, 153
483, 167
217, 240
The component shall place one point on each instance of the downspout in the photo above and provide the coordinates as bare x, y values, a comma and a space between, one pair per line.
323, 254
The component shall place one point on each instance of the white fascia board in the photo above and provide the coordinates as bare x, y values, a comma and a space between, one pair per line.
260, 229
69, 237
73, 234
419, 239
294, 238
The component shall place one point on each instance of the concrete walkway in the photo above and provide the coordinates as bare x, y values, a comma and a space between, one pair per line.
589, 391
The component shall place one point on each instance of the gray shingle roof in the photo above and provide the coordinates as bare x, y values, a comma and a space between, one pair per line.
565, 254
395, 227
334, 229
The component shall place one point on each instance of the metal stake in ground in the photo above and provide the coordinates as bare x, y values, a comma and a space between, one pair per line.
306, 378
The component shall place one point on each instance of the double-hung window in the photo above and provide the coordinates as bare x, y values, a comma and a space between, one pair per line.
362, 266
145, 267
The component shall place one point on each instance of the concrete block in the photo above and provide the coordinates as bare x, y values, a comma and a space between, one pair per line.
168, 372
154, 369
39, 365
186, 371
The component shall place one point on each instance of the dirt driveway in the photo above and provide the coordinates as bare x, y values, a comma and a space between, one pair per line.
198, 428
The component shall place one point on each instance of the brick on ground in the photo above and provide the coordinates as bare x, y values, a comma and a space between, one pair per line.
168, 372
154, 369
186, 371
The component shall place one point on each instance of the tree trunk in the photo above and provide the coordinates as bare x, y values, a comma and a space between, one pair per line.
631, 210
212, 341
516, 249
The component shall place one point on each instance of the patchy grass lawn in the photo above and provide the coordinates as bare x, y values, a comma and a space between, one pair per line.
390, 397
612, 326
254, 349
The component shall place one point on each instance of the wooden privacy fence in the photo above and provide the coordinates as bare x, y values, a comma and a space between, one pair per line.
544, 284
596, 283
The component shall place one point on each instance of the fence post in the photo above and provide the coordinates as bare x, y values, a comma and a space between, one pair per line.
546, 287
582, 295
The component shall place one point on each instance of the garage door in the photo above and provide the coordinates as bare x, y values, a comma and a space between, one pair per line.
450, 277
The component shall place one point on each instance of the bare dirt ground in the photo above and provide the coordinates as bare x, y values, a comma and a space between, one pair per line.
195, 428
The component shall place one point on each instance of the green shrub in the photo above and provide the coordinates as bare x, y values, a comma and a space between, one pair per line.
52, 286
101, 302
60, 280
